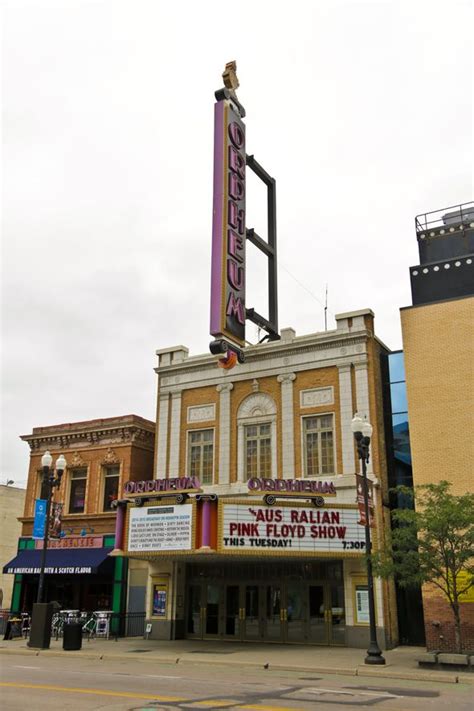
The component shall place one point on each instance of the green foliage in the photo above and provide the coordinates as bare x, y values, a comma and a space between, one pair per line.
434, 543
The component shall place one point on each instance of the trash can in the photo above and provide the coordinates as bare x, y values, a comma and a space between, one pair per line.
72, 636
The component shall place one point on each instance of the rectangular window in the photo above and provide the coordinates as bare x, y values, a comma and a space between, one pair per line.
258, 450
318, 433
201, 455
111, 484
77, 492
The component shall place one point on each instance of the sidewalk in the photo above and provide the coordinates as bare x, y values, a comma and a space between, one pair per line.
400, 662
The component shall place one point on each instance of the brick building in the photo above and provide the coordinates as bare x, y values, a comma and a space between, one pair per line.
237, 565
438, 345
101, 455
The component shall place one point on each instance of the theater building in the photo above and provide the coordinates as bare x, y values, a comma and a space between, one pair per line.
80, 573
249, 529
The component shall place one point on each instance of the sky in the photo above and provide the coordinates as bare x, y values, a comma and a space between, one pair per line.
362, 111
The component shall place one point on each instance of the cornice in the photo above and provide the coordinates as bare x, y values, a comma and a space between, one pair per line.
105, 436
254, 354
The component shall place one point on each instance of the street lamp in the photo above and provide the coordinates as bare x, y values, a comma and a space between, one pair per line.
362, 430
52, 481
40, 633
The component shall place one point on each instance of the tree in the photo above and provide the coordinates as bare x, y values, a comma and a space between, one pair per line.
432, 544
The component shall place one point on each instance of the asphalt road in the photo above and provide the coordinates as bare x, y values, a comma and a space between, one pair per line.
59, 683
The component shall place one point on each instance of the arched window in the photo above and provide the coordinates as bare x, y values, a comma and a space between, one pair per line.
257, 438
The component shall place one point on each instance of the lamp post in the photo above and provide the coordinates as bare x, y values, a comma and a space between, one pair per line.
53, 479
362, 430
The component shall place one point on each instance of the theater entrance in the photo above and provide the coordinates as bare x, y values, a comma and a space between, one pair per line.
304, 606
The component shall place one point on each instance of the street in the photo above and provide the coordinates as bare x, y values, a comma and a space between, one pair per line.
61, 683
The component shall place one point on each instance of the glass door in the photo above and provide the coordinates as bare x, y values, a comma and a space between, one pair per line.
194, 627
274, 614
295, 613
337, 617
318, 614
251, 612
233, 612
211, 609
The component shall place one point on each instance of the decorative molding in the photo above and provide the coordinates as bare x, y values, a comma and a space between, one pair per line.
256, 405
201, 413
255, 385
286, 378
110, 457
118, 435
76, 461
317, 396
224, 387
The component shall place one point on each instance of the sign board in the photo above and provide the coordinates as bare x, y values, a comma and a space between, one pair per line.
288, 487
160, 528
362, 604
293, 530
228, 225
180, 484
361, 500
73, 542
40, 519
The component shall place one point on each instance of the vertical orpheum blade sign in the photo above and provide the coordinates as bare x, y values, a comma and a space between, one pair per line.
228, 228
229, 231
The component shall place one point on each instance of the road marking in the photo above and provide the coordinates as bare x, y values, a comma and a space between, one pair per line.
211, 703
97, 692
159, 676
381, 694
21, 667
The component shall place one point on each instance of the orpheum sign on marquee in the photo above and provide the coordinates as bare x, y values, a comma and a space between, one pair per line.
228, 226
293, 529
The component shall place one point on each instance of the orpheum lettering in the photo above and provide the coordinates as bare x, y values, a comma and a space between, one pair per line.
228, 231
183, 483
292, 486
302, 529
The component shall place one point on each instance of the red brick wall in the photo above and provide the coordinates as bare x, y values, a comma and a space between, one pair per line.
437, 609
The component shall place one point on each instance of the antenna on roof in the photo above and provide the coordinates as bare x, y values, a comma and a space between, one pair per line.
326, 310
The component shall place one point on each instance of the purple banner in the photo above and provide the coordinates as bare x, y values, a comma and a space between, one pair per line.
228, 226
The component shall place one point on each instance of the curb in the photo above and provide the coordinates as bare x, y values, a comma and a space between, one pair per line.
382, 672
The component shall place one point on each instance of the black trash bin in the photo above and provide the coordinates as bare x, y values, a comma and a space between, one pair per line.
72, 636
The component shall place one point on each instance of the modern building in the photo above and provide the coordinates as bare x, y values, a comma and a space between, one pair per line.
101, 455
438, 344
411, 629
249, 530
12, 501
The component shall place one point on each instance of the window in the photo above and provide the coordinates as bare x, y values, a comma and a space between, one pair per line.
42, 487
111, 483
77, 491
201, 455
318, 436
258, 450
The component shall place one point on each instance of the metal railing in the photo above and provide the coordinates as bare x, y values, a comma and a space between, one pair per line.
455, 216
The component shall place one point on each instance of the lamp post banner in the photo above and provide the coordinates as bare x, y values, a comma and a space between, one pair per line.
228, 225
40, 519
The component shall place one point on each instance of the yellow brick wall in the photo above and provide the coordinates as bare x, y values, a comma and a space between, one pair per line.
438, 344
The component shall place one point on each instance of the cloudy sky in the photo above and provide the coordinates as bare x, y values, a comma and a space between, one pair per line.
360, 110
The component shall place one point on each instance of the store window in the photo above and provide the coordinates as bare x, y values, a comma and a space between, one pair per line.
77, 491
258, 450
201, 455
318, 438
111, 477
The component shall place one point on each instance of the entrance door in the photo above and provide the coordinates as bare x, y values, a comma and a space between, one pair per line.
318, 614
251, 610
233, 612
194, 626
296, 612
274, 614
203, 610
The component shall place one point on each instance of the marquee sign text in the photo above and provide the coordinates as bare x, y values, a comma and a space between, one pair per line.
331, 530
292, 486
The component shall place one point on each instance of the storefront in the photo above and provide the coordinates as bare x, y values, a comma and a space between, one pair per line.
253, 568
79, 574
